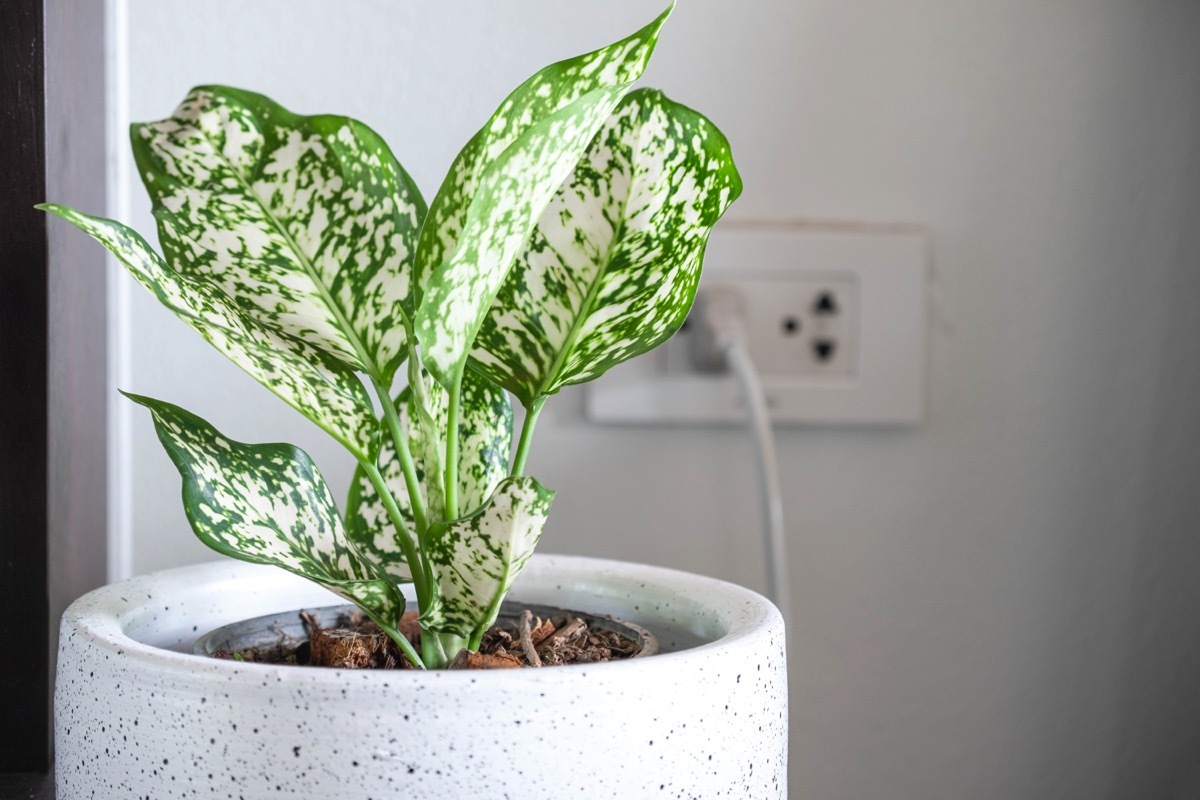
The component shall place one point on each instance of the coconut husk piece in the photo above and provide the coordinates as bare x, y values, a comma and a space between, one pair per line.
467, 659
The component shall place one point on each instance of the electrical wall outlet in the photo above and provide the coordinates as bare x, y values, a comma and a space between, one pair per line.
835, 322
805, 325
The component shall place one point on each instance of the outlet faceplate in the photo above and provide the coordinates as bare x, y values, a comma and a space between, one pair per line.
835, 321
795, 325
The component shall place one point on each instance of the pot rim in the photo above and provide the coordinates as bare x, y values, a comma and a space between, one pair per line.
733, 618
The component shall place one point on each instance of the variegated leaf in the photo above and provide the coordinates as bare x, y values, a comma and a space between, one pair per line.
499, 185
316, 385
485, 438
268, 504
476, 559
612, 268
309, 223
544, 93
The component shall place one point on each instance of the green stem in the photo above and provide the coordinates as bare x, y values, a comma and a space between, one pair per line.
425, 423
531, 415
410, 556
451, 643
452, 414
406, 544
405, 646
416, 564
431, 647
406, 461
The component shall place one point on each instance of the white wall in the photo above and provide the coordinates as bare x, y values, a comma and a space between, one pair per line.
998, 605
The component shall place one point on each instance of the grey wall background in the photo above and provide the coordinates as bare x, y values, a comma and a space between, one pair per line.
75, 175
1000, 604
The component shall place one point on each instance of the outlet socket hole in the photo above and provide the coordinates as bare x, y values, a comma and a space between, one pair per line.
791, 326
825, 304
824, 350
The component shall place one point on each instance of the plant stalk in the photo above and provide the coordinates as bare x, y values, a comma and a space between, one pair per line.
450, 644
432, 650
415, 565
452, 414
406, 647
531, 415
415, 499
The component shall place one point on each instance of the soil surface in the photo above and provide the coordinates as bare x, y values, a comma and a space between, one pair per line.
358, 643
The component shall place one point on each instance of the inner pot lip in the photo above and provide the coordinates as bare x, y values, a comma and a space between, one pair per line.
220, 637
735, 618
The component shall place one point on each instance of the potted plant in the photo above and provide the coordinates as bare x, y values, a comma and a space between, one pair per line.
567, 237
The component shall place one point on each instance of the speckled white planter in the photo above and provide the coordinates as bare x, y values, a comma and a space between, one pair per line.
137, 716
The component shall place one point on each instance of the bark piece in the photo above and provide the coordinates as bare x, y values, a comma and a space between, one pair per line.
541, 631
559, 648
467, 659
526, 636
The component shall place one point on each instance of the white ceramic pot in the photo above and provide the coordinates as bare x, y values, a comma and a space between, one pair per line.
136, 715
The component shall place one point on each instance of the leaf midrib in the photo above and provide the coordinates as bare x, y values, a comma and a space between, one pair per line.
351, 335
585, 309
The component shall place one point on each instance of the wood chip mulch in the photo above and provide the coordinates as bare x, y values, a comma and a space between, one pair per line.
357, 643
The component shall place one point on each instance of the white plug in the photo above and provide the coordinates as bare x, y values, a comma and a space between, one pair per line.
717, 319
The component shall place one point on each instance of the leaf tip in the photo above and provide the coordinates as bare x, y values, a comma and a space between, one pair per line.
662, 18
141, 399
52, 208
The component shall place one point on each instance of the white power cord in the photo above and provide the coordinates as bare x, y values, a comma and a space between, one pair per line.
719, 344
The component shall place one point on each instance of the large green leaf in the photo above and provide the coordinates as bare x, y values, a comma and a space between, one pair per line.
476, 559
612, 268
485, 438
309, 223
316, 385
268, 504
500, 183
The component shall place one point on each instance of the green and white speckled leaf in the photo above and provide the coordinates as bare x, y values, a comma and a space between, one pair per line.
499, 185
541, 95
317, 386
309, 223
268, 504
485, 438
612, 268
476, 559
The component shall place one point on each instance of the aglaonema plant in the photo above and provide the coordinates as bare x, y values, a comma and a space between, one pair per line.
566, 238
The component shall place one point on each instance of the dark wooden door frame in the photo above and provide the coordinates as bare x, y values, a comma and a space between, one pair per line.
53, 343
24, 354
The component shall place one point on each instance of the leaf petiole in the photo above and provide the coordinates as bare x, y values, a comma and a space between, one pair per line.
406, 647
451, 466
404, 644
416, 499
531, 415
415, 565
450, 644
431, 648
